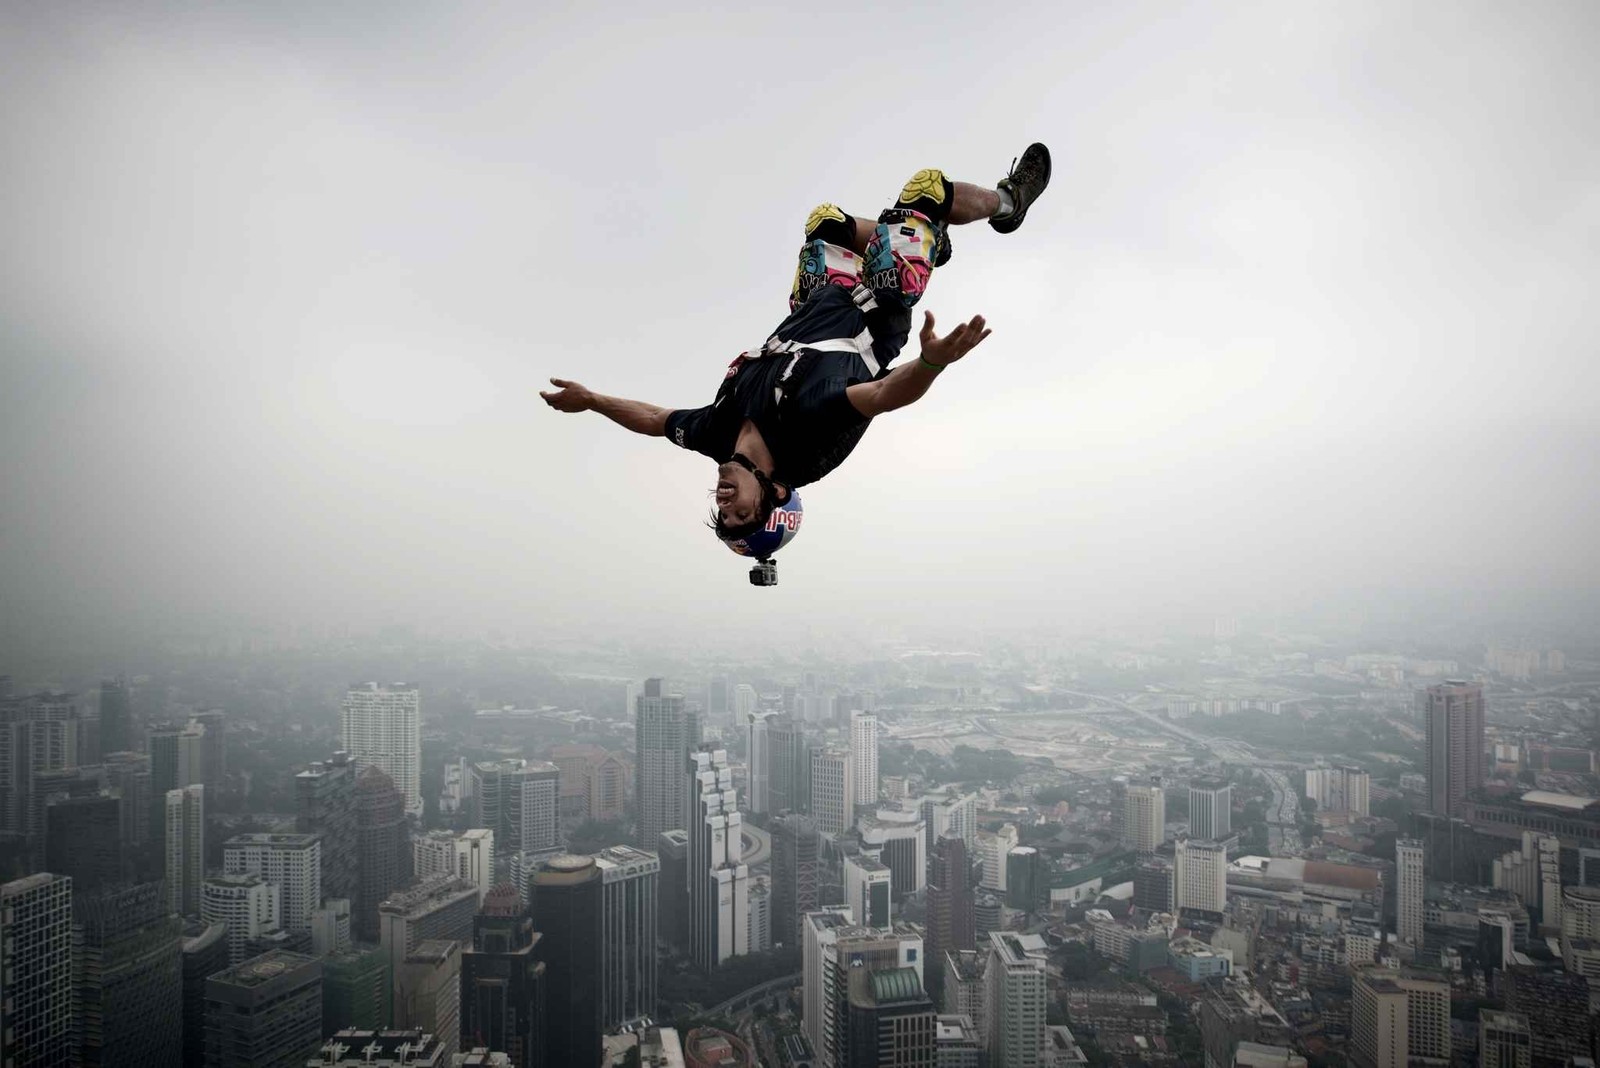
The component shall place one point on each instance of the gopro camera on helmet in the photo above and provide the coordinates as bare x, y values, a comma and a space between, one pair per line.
764, 573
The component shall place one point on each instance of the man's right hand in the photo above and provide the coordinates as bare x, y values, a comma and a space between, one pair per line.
569, 397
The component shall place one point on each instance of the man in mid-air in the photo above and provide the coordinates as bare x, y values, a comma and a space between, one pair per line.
789, 413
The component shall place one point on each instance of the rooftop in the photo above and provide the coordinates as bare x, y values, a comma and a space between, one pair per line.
1550, 799
898, 984
271, 965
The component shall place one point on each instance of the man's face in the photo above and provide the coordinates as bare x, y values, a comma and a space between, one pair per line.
738, 495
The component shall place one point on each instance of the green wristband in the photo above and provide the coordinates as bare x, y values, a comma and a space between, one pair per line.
937, 367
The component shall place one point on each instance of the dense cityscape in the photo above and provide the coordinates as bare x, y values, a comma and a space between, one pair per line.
1240, 846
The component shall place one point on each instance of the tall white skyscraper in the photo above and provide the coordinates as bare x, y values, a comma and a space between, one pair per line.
1144, 819
1409, 874
831, 948
744, 700
291, 862
1339, 789
248, 904
1200, 875
468, 855
719, 881
1015, 1006
629, 906
867, 887
665, 733
185, 847
993, 850
951, 812
832, 791
1210, 809
864, 753
759, 748
382, 725
520, 801
36, 970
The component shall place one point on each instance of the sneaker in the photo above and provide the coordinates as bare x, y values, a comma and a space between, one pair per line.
1026, 180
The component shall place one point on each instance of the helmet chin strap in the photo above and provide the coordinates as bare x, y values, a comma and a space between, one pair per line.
769, 489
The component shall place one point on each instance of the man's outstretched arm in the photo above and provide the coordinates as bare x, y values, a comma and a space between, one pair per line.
909, 381
637, 416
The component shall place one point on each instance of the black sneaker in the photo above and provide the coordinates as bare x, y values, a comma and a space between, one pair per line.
1027, 179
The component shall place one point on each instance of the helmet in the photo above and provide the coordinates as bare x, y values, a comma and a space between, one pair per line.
782, 525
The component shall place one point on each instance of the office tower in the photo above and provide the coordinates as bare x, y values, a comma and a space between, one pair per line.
866, 891
366, 1048
1504, 1040
788, 765
1144, 816
502, 990
1210, 809
83, 839
1015, 980
1410, 887
440, 909
629, 883
36, 970
383, 858
758, 748
1339, 789
427, 992
719, 881
265, 1011
1398, 1018
213, 746
1453, 713
794, 875
964, 989
116, 716
566, 913
760, 915
291, 862
1200, 876
950, 915
832, 790
864, 752
673, 849
993, 850
898, 838
184, 844
469, 856
719, 700
890, 1022
247, 903
1153, 884
127, 978
205, 953
951, 812
1025, 885
831, 949
382, 725
325, 804
173, 756
665, 733
128, 777
356, 991
1556, 1006
38, 734
330, 929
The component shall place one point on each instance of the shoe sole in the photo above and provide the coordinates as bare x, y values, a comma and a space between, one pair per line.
1015, 219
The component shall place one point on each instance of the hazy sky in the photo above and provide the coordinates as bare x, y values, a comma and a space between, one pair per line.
1311, 301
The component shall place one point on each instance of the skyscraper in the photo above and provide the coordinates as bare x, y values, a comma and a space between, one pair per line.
993, 848
265, 1011
38, 734
1210, 809
213, 724
832, 791
185, 846
867, 891
468, 855
427, 992
248, 904
832, 949
383, 857
665, 732
128, 776
673, 915
127, 978
83, 839
1200, 875
864, 753
1408, 862
952, 811
1398, 1018
629, 881
325, 804
1504, 1040
291, 862
719, 881
502, 980
382, 725
1339, 789
520, 801
789, 765
794, 875
1015, 977
116, 716
566, 913
899, 839
719, 700
890, 1021
440, 909
356, 991
950, 917
36, 970
1144, 818
205, 953
1453, 712
759, 761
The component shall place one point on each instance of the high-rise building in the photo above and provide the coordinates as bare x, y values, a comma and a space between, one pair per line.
127, 978
1025, 886
789, 765
899, 839
1210, 809
1411, 886
760, 915
1015, 982
184, 844
1504, 1040
1200, 876
832, 790
629, 880
758, 748
951, 812
1398, 1019
382, 725
325, 804
673, 916
719, 700
213, 746
83, 839
864, 753
502, 980
950, 926
1453, 712
383, 856
521, 802
575, 764
468, 855
1152, 884
957, 1042
566, 913
831, 949
993, 848
291, 862
247, 903
1339, 789
116, 716
890, 1021
719, 881
794, 875
440, 909
867, 890
964, 990
427, 992
356, 991
205, 953
665, 733
36, 970
330, 928
1144, 816
745, 699
1533, 874
1556, 1006
128, 777
38, 734
265, 1011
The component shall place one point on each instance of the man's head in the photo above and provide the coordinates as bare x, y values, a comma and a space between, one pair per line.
743, 513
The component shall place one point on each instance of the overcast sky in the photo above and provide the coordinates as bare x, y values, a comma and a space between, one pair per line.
1311, 303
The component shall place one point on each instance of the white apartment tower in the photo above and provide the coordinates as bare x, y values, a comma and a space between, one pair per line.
1014, 1005
953, 813
1200, 875
993, 850
1398, 1019
665, 733
864, 753
382, 725
719, 881
832, 790
1144, 816
291, 862
186, 847
469, 856
36, 970
248, 904
1411, 884
1339, 789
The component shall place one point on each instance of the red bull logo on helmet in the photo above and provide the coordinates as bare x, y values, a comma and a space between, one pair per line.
785, 519
780, 529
